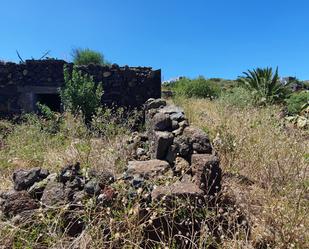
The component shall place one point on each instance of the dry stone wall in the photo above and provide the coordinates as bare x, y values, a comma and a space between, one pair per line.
22, 85
170, 162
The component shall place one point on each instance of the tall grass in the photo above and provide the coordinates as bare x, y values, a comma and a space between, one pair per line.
253, 143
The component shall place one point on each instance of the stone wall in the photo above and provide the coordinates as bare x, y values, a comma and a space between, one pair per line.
170, 164
22, 84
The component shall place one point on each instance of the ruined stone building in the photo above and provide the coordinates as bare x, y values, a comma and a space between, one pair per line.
23, 85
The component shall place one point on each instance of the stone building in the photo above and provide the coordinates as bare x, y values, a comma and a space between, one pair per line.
23, 85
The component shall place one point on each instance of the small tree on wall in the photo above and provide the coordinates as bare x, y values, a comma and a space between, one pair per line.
87, 56
80, 93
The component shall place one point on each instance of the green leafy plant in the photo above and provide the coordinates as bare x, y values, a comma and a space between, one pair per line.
80, 93
87, 56
237, 96
296, 101
264, 85
200, 88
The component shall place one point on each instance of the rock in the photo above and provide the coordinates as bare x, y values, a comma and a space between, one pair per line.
17, 202
161, 122
54, 194
206, 173
79, 197
183, 124
140, 152
107, 195
76, 184
92, 188
160, 144
175, 112
183, 145
24, 179
178, 132
104, 177
199, 140
37, 189
154, 103
181, 165
175, 125
69, 173
138, 182
172, 154
147, 169
177, 190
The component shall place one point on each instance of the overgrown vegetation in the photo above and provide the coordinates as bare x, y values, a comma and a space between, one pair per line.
270, 163
297, 102
87, 56
265, 165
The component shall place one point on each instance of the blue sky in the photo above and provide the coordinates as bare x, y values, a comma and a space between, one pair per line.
217, 38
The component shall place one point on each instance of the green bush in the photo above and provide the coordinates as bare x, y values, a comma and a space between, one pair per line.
88, 56
296, 102
264, 85
80, 93
238, 97
200, 88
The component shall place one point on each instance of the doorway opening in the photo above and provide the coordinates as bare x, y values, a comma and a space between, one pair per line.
53, 101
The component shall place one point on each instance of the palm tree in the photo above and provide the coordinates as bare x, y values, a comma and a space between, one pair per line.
264, 85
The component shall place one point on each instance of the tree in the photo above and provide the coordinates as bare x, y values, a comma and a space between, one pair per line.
87, 56
264, 85
80, 93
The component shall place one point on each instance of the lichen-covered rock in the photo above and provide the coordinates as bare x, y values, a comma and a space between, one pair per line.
177, 190
147, 169
55, 194
24, 179
16, 202
37, 189
206, 173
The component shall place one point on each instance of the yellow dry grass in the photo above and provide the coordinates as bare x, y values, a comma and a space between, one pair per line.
254, 144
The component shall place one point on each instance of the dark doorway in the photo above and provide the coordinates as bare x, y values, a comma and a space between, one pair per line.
53, 101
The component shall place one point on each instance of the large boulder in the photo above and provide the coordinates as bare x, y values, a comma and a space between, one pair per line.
206, 173
24, 179
17, 202
161, 122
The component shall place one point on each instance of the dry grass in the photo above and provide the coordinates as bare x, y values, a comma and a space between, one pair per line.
265, 183
254, 144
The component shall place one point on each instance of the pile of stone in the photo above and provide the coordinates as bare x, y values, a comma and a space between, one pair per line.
172, 161
170, 147
37, 188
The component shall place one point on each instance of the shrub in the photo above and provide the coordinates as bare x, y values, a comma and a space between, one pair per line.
264, 85
238, 97
80, 93
88, 56
200, 88
296, 102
